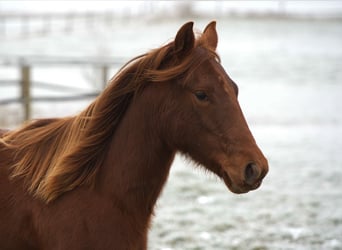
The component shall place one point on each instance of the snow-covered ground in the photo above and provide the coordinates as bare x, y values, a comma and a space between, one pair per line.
290, 78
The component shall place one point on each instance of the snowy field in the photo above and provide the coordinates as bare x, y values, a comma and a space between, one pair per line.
290, 77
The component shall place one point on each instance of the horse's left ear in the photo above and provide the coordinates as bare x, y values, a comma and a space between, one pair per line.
210, 35
185, 40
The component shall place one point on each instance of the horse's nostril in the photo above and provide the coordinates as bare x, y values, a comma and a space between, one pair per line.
252, 173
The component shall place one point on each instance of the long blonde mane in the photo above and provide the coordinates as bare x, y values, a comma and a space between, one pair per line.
54, 156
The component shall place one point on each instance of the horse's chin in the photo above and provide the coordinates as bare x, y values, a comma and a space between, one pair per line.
238, 189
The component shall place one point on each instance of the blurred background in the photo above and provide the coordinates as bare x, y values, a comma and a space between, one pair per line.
286, 57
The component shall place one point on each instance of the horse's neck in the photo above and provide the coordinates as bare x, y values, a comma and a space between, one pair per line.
138, 162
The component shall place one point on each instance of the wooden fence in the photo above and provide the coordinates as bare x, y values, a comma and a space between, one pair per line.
26, 24
25, 82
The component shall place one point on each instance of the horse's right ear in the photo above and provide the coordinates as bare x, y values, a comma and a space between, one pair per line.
185, 40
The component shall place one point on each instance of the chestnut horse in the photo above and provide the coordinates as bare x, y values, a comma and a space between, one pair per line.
91, 181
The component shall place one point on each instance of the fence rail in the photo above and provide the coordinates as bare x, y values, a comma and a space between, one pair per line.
50, 98
44, 23
25, 82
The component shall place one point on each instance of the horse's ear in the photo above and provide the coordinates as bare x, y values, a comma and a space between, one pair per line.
185, 40
210, 36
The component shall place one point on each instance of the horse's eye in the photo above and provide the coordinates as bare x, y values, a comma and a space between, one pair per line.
202, 96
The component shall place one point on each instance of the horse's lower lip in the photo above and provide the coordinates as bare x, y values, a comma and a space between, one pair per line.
238, 189
229, 183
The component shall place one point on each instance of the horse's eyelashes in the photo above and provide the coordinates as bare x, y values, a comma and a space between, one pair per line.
201, 95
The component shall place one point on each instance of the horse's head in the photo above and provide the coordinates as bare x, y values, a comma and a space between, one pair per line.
203, 116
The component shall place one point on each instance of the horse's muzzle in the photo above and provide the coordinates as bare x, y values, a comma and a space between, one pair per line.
253, 176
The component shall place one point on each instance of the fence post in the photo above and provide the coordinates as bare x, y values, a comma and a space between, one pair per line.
104, 76
25, 91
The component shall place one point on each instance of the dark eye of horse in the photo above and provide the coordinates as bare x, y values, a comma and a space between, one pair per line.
202, 96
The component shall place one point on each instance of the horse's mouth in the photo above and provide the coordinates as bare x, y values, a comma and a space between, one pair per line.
238, 189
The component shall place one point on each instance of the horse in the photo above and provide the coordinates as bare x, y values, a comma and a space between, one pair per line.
91, 181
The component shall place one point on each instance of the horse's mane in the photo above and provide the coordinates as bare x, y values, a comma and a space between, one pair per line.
56, 155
